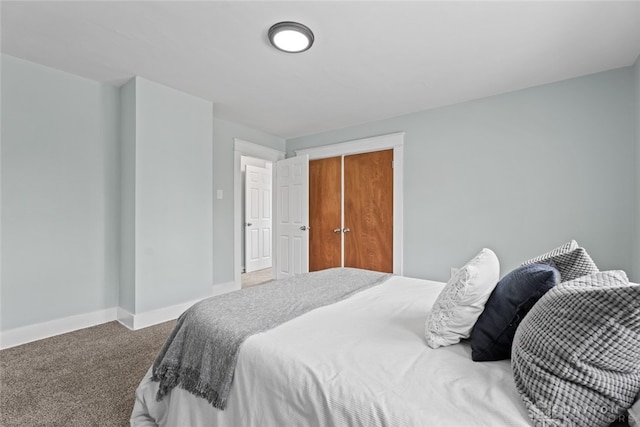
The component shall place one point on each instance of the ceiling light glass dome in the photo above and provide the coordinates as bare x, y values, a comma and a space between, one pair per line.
291, 37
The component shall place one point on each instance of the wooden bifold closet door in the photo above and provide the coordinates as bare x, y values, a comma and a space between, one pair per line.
368, 212
325, 213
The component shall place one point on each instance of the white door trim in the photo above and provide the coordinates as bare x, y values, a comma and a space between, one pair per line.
245, 148
393, 141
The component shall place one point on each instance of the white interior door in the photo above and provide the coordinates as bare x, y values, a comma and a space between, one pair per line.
292, 219
258, 222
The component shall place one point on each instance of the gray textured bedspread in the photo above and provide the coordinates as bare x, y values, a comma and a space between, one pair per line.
201, 353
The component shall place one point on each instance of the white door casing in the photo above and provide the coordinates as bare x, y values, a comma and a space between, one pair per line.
393, 141
292, 216
258, 221
245, 148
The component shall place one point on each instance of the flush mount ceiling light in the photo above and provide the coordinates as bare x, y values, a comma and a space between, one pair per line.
290, 37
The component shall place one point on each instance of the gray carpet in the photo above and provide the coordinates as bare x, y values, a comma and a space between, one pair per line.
83, 378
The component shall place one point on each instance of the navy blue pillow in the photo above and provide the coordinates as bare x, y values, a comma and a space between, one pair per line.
509, 302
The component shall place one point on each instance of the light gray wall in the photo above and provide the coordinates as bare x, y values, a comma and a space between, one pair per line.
223, 172
173, 196
636, 252
484, 173
65, 250
127, 285
519, 173
59, 194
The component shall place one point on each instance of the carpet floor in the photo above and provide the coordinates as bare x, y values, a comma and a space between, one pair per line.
83, 378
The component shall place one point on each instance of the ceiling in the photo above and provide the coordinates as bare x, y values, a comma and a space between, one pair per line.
371, 59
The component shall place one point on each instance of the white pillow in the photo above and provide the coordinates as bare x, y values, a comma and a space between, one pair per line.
462, 300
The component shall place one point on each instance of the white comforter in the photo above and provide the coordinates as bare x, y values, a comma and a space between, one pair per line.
360, 362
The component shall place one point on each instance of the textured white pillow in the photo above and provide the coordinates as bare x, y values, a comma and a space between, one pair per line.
462, 300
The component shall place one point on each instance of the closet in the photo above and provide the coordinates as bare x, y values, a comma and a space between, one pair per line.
351, 211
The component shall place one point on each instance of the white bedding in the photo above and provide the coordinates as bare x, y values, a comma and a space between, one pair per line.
360, 362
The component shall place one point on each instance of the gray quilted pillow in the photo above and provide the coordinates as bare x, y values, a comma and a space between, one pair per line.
562, 249
576, 355
571, 261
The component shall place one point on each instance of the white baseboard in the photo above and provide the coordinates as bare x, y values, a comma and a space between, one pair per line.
25, 334
125, 318
153, 317
38, 331
224, 288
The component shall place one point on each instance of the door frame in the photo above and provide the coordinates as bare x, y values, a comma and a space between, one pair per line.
246, 148
393, 141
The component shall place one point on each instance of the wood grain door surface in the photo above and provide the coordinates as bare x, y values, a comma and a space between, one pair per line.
368, 211
325, 213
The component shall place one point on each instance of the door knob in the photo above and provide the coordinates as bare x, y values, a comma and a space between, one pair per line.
346, 230
304, 227
249, 224
337, 230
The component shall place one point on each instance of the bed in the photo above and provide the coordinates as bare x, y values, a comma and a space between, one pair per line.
361, 361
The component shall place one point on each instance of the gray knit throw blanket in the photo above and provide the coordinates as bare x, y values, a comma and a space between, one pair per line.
200, 354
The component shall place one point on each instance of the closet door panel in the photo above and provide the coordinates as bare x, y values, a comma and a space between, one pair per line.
325, 213
368, 211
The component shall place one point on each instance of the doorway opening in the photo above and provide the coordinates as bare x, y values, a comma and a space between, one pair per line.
244, 148
257, 214
395, 142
